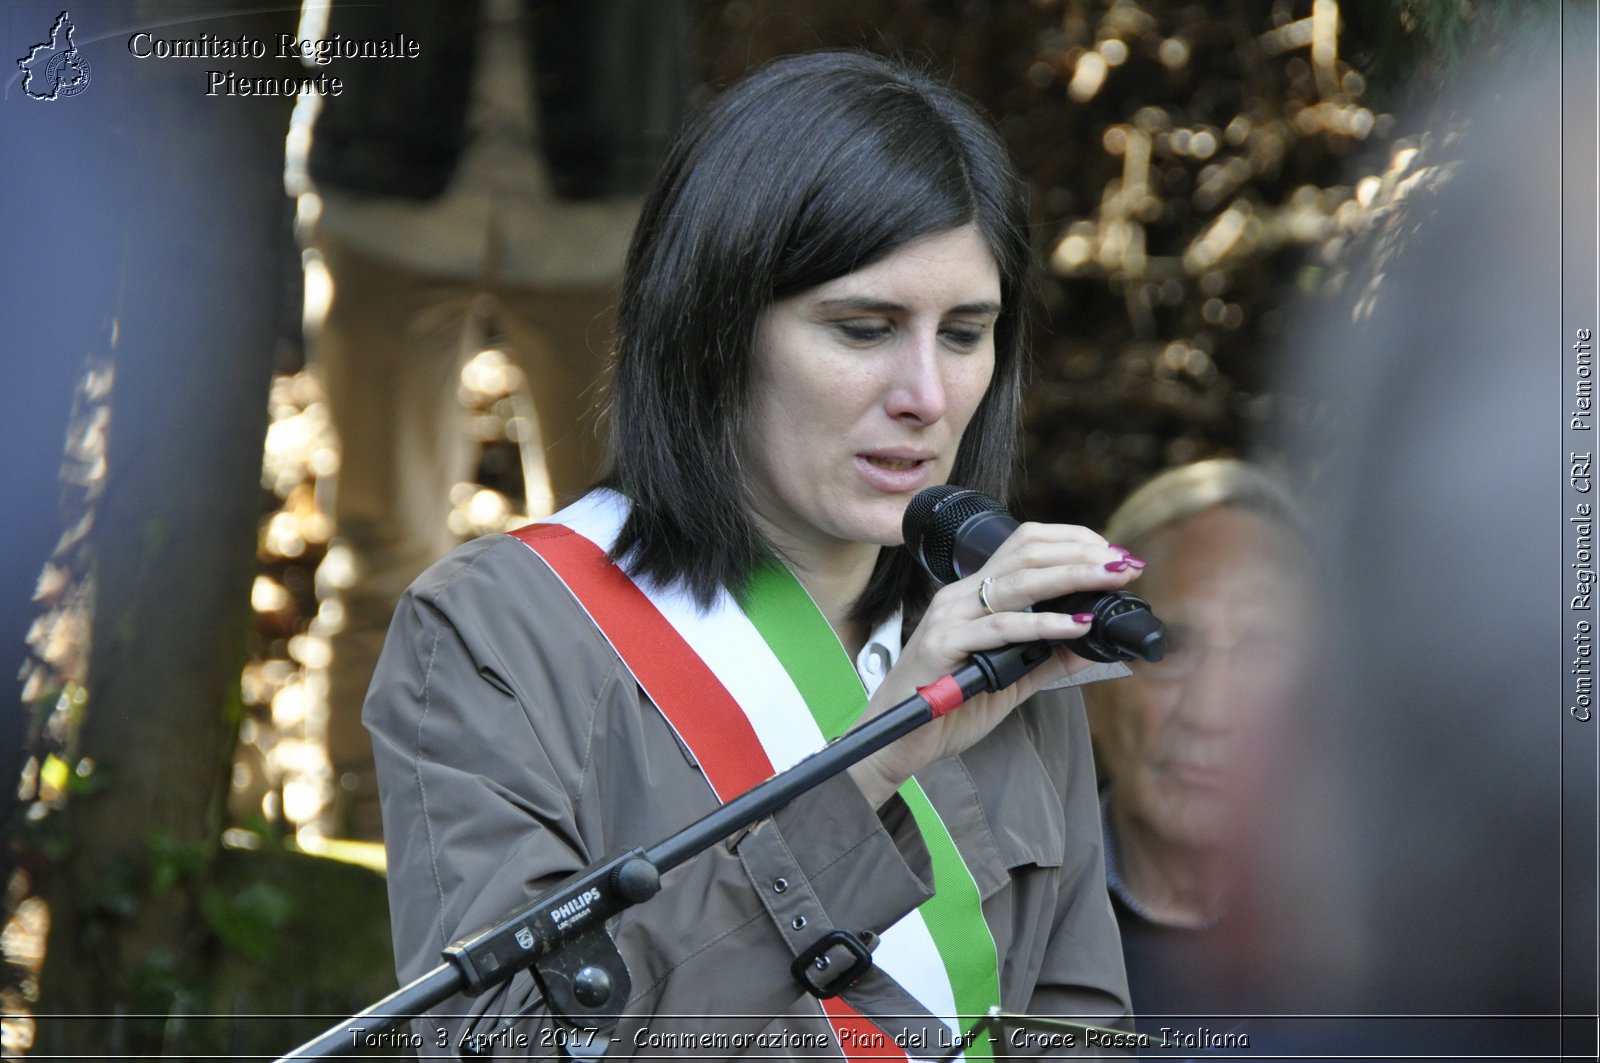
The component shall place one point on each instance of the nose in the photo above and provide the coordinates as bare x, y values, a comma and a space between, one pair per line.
916, 388
1211, 697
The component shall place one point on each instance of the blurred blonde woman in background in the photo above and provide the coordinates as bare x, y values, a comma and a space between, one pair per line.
1178, 743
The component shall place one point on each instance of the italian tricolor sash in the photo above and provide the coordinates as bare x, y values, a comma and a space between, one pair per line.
752, 686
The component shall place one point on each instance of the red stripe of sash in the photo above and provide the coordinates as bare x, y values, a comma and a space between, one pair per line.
697, 705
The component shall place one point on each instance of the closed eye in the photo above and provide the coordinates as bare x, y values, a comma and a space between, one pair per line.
963, 337
862, 331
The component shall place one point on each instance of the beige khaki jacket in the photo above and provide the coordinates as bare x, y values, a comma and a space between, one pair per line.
514, 748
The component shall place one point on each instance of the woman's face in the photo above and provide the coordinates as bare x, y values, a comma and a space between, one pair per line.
1183, 742
863, 386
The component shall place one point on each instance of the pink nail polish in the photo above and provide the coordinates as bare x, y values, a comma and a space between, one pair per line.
1083, 618
1116, 566
1134, 562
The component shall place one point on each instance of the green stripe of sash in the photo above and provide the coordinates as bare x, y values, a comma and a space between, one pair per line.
804, 643
799, 636
967, 948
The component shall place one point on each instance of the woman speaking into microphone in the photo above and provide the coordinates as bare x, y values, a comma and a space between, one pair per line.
822, 315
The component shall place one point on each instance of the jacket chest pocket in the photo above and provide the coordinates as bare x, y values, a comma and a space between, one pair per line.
1001, 806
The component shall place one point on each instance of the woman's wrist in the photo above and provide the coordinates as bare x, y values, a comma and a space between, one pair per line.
873, 783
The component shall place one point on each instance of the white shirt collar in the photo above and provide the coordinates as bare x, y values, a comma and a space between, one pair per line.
881, 651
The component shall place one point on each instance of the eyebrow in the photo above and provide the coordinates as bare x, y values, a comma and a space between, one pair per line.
885, 306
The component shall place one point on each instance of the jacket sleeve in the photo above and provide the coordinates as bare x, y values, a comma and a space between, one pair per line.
1082, 976
513, 749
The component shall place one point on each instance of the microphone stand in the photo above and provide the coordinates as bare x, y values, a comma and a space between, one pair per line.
562, 934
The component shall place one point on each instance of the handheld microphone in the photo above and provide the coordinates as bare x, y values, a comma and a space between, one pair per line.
952, 531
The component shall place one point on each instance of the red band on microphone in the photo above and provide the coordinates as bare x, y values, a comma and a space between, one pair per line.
942, 696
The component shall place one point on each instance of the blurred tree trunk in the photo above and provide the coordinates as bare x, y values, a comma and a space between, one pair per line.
200, 238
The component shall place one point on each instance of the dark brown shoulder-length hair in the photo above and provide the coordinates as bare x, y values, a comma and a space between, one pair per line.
813, 167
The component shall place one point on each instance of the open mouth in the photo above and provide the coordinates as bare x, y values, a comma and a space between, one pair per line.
895, 463
894, 473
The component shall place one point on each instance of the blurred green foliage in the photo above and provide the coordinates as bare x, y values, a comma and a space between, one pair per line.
249, 919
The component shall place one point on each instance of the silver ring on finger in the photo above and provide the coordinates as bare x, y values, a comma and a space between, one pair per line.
983, 595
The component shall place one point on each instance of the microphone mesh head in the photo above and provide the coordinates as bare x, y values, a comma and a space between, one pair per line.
932, 520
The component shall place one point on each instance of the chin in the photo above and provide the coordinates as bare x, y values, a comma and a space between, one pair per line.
1198, 821
882, 525
873, 537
